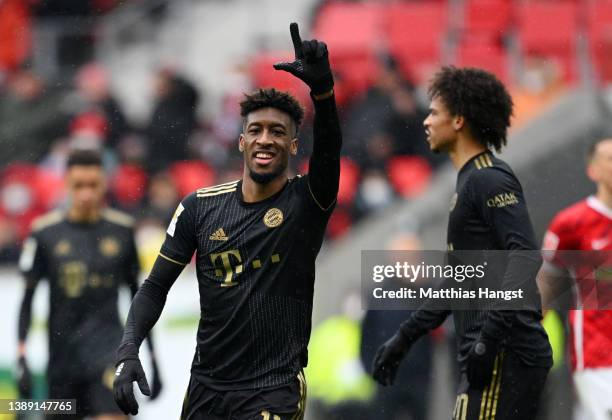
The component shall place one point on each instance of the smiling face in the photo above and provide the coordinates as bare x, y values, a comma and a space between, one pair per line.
441, 127
267, 141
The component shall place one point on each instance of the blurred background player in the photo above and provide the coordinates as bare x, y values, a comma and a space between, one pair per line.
586, 226
86, 253
504, 355
256, 240
408, 399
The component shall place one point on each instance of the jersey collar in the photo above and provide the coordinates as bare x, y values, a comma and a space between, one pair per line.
597, 205
475, 162
257, 203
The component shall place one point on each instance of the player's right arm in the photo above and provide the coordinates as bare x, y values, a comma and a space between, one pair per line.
32, 267
149, 301
554, 278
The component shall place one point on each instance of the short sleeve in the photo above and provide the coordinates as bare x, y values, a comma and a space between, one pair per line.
558, 237
181, 242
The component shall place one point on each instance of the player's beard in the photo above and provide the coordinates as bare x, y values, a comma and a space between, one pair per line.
267, 177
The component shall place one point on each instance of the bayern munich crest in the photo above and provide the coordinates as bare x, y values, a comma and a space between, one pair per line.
273, 217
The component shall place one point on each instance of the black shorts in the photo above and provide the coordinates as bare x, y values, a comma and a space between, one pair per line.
286, 402
93, 396
514, 392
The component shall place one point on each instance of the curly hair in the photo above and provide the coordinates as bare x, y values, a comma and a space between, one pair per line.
272, 98
480, 98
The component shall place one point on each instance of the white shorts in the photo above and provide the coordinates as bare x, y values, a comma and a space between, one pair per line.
594, 388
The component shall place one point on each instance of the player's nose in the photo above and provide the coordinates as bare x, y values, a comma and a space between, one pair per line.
265, 138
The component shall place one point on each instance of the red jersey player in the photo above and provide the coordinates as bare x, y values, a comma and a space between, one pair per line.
586, 226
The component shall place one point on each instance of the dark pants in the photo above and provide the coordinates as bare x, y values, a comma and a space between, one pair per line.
279, 403
514, 392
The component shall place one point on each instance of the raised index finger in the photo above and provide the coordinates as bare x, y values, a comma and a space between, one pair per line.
297, 40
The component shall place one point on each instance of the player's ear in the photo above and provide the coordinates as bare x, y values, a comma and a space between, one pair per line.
241, 143
593, 172
458, 122
293, 147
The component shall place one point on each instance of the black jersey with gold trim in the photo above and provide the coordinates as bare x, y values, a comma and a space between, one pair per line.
489, 212
255, 265
84, 264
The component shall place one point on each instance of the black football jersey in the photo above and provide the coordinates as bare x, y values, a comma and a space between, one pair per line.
488, 212
255, 265
84, 263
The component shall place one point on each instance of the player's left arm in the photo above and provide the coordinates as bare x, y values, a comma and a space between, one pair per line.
498, 198
311, 65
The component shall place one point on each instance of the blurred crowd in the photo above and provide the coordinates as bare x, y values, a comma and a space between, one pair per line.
153, 164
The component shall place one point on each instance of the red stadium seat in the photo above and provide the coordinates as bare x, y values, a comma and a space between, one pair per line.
128, 185
350, 26
339, 223
264, 75
599, 28
350, 175
21, 195
90, 122
415, 34
49, 187
487, 18
487, 56
190, 175
356, 72
549, 29
353, 32
409, 175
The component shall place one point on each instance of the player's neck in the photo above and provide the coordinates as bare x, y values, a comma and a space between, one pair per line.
604, 195
463, 150
78, 216
253, 192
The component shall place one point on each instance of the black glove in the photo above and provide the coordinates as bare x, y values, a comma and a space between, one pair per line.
24, 378
311, 63
388, 358
129, 369
157, 383
480, 363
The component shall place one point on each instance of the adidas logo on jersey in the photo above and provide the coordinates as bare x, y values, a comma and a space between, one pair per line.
218, 235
